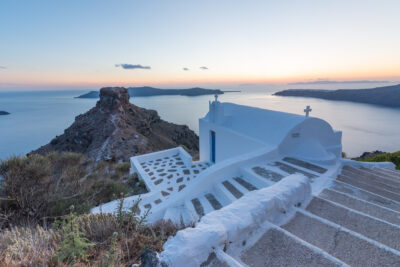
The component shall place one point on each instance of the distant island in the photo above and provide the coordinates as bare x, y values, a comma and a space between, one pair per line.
151, 91
4, 112
388, 96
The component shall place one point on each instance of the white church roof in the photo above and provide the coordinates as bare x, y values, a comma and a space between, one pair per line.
254, 122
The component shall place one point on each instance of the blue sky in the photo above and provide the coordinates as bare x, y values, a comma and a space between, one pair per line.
65, 44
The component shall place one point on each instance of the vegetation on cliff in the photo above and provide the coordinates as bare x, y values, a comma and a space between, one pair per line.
382, 157
44, 220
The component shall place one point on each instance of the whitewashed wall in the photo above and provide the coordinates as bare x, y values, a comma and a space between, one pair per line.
228, 143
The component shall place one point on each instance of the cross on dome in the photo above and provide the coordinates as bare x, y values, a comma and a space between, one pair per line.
307, 110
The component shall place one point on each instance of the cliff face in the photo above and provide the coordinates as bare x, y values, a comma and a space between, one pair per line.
385, 96
116, 130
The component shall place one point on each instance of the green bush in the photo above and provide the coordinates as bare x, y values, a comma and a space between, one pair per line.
391, 157
75, 245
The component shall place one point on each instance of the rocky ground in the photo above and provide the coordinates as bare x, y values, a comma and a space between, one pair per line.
117, 130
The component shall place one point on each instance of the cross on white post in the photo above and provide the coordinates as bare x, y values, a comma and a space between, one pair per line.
216, 97
307, 110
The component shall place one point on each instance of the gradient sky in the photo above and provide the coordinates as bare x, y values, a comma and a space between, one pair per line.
80, 44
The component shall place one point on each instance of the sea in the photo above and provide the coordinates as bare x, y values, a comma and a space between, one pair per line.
38, 116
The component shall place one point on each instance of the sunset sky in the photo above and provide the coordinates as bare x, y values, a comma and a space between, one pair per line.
82, 44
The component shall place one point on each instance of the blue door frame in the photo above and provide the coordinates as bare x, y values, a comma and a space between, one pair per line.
212, 146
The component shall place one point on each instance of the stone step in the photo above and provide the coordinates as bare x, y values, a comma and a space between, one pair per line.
198, 207
342, 244
388, 179
372, 179
382, 175
389, 173
206, 204
395, 173
267, 174
223, 194
232, 189
277, 247
213, 201
362, 206
365, 195
172, 212
368, 187
383, 232
191, 212
245, 184
306, 165
292, 170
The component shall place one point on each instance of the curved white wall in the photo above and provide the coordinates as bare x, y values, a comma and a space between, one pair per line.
314, 139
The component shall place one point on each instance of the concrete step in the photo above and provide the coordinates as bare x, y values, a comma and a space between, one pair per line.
264, 172
243, 183
365, 195
232, 189
198, 207
306, 165
372, 179
277, 247
342, 244
383, 232
362, 206
206, 204
213, 201
223, 194
387, 172
172, 213
191, 212
383, 175
369, 187
292, 170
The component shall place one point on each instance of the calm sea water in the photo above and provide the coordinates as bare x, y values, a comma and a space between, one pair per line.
37, 117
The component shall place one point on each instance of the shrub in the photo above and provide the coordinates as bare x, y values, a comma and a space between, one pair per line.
391, 157
74, 245
40, 188
123, 167
27, 246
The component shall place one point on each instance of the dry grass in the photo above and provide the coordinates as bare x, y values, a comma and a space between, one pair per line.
26, 246
36, 195
41, 188
115, 243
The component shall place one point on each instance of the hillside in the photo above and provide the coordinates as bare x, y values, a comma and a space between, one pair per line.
388, 96
116, 130
151, 91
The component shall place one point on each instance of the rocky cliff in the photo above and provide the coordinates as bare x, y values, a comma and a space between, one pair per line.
388, 96
116, 130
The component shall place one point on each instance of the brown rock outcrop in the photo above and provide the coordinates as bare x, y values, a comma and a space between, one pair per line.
116, 130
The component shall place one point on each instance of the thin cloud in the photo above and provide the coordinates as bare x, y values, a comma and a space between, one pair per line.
132, 66
185, 69
203, 68
2, 67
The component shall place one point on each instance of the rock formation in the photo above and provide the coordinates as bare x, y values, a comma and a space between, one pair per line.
388, 96
150, 91
116, 130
